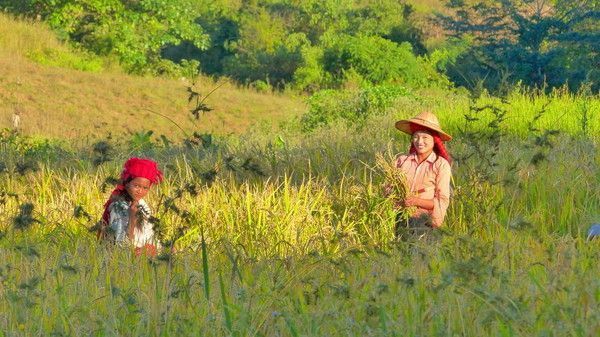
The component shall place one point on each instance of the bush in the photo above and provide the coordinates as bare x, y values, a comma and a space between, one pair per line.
351, 106
376, 59
369, 60
135, 32
62, 59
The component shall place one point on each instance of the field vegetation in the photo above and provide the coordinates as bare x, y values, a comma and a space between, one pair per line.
289, 234
272, 210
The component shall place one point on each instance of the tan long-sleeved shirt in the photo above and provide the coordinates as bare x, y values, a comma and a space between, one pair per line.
428, 180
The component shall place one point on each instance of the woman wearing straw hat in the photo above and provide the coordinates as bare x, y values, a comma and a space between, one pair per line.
427, 169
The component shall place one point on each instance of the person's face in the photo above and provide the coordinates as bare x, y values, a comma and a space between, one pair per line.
423, 142
137, 188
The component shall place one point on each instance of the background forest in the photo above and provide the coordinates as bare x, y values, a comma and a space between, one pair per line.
322, 44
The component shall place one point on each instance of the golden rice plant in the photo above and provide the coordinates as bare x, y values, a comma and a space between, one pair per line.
396, 187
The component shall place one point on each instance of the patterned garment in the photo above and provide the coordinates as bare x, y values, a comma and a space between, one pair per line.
119, 222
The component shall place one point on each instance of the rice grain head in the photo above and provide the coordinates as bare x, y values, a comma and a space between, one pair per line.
396, 186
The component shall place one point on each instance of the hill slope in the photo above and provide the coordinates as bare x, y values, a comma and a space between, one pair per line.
40, 77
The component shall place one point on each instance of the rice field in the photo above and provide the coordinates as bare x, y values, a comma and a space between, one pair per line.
289, 234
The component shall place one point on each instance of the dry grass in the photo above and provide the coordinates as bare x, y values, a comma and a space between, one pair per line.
21, 37
67, 103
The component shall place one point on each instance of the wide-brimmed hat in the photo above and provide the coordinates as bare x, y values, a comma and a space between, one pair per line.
425, 119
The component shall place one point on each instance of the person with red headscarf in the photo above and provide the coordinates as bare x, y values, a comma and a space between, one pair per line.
428, 172
126, 213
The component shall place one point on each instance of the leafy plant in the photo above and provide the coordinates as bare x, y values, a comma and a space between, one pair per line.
351, 106
536, 42
141, 141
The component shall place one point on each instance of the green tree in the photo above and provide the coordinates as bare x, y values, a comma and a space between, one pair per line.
283, 41
371, 60
535, 42
135, 31
265, 50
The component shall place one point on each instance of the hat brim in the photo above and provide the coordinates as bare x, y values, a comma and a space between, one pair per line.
404, 126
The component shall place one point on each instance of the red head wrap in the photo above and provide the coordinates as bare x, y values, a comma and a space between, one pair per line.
143, 168
133, 168
438, 144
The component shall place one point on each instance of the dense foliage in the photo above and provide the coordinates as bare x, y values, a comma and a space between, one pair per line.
312, 44
529, 41
135, 32
315, 44
307, 45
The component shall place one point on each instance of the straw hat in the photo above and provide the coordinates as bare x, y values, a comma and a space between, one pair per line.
426, 119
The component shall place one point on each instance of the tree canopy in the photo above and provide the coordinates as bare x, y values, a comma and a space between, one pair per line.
310, 45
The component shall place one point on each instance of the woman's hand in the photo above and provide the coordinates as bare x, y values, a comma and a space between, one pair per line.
408, 202
419, 202
133, 218
133, 208
411, 201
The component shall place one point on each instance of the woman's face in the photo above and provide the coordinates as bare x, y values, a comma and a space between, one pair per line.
423, 142
137, 188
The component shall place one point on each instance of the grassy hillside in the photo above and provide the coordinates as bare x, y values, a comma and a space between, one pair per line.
65, 93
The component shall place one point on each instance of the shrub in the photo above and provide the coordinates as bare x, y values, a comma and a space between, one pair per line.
62, 59
372, 60
351, 106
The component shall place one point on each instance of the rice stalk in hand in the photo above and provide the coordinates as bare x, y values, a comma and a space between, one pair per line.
396, 187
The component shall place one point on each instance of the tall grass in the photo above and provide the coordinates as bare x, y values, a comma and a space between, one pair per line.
573, 113
34, 40
23, 37
465, 285
289, 234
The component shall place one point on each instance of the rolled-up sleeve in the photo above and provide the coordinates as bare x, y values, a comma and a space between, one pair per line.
441, 199
119, 220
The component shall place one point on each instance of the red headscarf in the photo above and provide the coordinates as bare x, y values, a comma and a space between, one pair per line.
133, 168
438, 144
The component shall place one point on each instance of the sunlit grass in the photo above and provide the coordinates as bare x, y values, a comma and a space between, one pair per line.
42, 78
300, 244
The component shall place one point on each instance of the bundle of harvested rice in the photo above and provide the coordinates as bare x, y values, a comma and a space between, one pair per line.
396, 187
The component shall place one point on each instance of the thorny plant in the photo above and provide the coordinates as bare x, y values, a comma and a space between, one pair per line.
102, 152
542, 139
168, 206
483, 143
479, 158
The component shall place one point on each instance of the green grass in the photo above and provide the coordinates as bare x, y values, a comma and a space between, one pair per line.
34, 41
572, 113
299, 242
